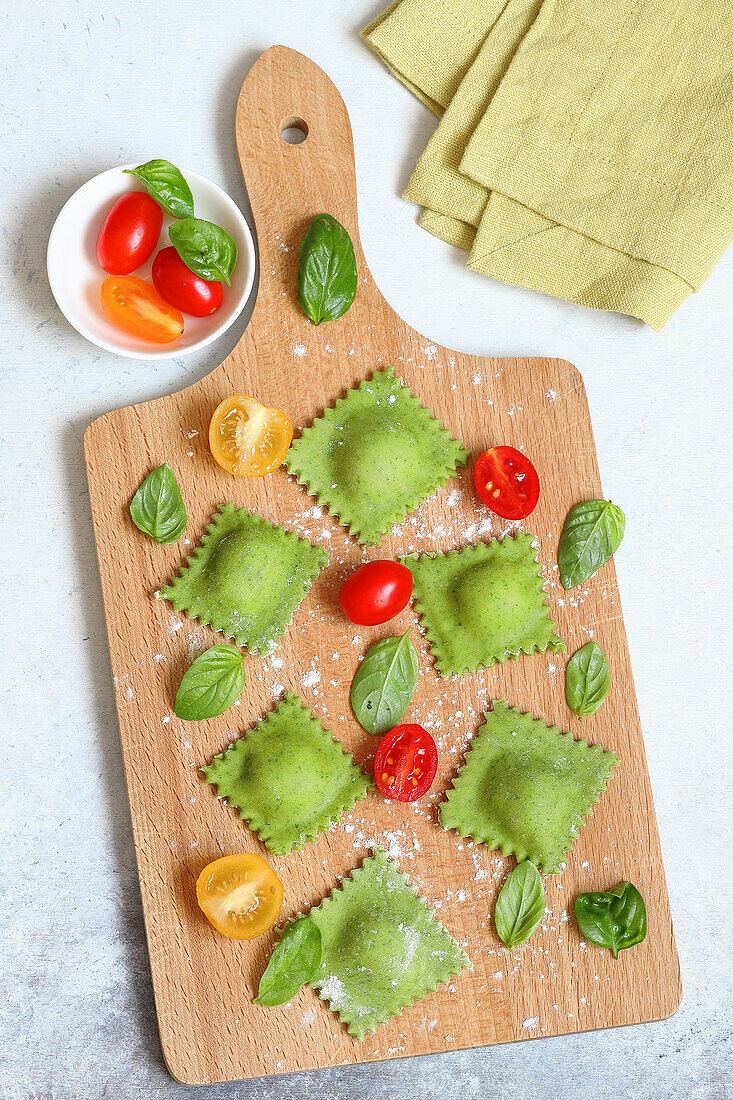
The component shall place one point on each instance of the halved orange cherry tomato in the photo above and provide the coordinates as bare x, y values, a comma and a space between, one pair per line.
406, 763
135, 306
507, 482
248, 439
240, 895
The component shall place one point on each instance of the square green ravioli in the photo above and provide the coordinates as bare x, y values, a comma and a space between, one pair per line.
246, 578
482, 604
288, 778
526, 788
382, 946
375, 456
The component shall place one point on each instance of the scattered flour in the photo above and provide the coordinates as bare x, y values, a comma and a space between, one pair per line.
332, 988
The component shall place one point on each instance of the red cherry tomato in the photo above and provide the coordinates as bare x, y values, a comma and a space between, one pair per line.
376, 592
406, 763
182, 287
129, 233
507, 482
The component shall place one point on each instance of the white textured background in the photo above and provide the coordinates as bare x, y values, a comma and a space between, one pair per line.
88, 85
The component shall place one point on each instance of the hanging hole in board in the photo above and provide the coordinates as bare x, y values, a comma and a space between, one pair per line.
293, 130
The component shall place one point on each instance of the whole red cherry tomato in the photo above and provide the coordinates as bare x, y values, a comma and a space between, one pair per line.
182, 288
376, 592
129, 233
507, 482
406, 763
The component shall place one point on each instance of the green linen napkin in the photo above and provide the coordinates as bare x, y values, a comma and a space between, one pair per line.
585, 147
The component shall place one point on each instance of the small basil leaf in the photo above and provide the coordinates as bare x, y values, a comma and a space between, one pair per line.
615, 919
294, 961
211, 684
204, 247
167, 186
157, 507
520, 905
587, 680
327, 276
384, 684
591, 535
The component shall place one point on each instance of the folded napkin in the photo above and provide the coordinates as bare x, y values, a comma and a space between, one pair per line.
585, 147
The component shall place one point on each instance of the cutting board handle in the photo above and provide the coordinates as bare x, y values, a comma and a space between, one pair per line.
285, 90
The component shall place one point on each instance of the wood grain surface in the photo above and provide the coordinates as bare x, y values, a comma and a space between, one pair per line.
204, 983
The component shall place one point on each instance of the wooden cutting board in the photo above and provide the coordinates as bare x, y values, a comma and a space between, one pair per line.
203, 983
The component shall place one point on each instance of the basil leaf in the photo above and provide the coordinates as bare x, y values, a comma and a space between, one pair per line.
587, 680
294, 961
204, 247
615, 919
591, 535
327, 276
167, 186
157, 507
211, 684
384, 683
520, 905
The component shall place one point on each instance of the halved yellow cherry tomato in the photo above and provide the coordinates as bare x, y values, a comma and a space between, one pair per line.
240, 895
248, 439
136, 306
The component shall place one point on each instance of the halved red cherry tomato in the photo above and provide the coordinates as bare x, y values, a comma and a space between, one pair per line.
507, 482
136, 306
129, 233
406, 763
240, 895
376, 592
182, 287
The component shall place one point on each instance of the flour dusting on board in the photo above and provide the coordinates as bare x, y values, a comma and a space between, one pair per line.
464, 889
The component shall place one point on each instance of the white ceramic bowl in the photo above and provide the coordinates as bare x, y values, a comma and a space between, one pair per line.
76, 277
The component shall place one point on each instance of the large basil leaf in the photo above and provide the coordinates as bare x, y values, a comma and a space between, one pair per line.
294, 961
587, 680
615, 918
591, 535
167, 186
157, 507
204, 247
327, 276
384, 683
520, 905
211, 684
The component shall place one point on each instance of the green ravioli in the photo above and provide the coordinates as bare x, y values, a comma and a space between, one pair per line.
246, 578
526, 788
288, 778
482, 604
375, 456
382, 946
